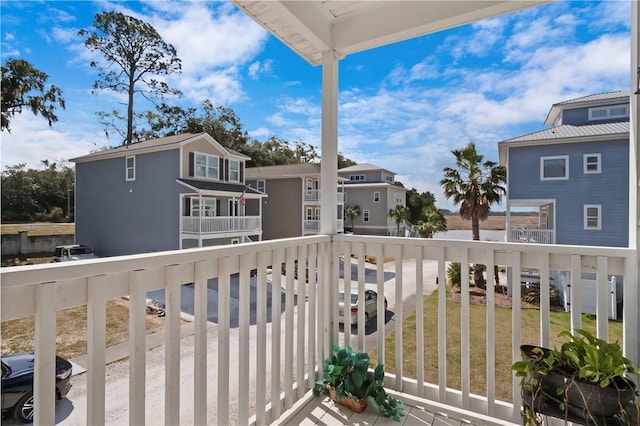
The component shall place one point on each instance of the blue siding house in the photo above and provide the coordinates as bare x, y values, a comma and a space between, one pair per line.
575, 174
170, 193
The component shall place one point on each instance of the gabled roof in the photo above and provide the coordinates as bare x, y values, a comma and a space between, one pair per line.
363, 168
568, 134
282, 171
156, 145
609, 98
344, 27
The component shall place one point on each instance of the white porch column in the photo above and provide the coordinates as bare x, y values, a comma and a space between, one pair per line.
329, 165
631, 299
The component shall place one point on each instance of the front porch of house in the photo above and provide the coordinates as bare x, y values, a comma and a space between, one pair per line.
289, 324
543, 232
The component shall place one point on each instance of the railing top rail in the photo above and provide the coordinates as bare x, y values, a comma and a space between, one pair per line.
494, 245
32, 274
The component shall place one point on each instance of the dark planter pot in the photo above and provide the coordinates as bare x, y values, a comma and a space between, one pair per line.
581, 399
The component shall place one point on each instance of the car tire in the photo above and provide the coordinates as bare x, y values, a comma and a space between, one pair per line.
23, 410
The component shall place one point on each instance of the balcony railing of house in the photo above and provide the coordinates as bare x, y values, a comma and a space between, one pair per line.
290, 324
531, 235
314, 195
314, 225
220, 224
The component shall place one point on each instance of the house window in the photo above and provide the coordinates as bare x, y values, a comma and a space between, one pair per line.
376, 197
613, 111
592, 216
317, 212
388, 178
131, 168
206, 166
262, 185
356, 177
345, 197
554, 168
397, 198
309, 213
309, 184
365, 215
591, 163
234, 171
206, 209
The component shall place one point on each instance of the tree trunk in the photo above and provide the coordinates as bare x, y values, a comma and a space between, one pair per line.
130, 109
478, 278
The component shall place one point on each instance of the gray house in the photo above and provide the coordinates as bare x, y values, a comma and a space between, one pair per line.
575, 174
170, 193
373, 189
294, 204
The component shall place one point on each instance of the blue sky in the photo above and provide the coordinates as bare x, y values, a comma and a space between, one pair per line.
403, 107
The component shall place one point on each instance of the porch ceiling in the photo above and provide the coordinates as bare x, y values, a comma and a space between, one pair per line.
313, 27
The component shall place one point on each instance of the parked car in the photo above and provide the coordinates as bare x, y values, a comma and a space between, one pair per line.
17, 384
370, 306
73, 252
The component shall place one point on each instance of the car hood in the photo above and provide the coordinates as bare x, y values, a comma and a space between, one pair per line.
83, 256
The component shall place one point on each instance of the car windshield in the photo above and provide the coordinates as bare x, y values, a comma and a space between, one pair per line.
354, 298
81, 250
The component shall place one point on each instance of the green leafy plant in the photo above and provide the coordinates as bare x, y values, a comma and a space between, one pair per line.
558, 377
347, 371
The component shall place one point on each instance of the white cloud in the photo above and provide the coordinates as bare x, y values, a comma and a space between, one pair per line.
257, 68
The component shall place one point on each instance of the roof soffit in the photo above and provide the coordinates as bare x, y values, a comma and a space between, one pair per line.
313, 27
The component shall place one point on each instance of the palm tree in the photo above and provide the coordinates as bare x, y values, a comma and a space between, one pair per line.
352, 212
475, 185
433, 221
399, 213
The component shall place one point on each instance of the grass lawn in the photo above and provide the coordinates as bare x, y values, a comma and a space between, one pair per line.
530, 334
36, 229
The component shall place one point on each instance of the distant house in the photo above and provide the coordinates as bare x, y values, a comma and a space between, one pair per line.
373, 189
293, 206
170, 193
575, 174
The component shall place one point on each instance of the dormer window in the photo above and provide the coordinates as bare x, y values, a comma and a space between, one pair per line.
356, 177
608, 112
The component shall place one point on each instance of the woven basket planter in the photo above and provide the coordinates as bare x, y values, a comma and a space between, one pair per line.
357, 405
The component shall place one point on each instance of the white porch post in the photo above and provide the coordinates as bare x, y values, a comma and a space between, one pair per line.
631, 299
329, 165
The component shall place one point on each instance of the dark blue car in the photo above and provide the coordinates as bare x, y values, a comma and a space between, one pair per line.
17, 384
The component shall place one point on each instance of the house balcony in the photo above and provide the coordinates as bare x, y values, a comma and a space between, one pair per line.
313, 195
259, 336
313, 226
531, 235
232, 225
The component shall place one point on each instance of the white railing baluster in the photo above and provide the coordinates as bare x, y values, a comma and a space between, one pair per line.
576, 292
45, 353
465, 345
203, 270
360, 253
137, 348
399, 316
419, 320
312, 321
243, 342
603, 298
289, 327
379, 250
630, 314
346, 288
224, 296
261, 340
301, 295
516, 332
442, 325
334, 259
172, 345
545, 302
276, 319
491, 334
96, 342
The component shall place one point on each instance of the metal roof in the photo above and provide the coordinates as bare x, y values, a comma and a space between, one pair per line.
569, 131
362, 168
598, 99
311, 28
219, 186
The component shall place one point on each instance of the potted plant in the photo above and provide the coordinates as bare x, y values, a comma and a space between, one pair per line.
347, 379
584, 380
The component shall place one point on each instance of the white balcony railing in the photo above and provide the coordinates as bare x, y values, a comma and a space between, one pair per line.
314, 195
264, 336
220, 224
314, 225
531, 235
